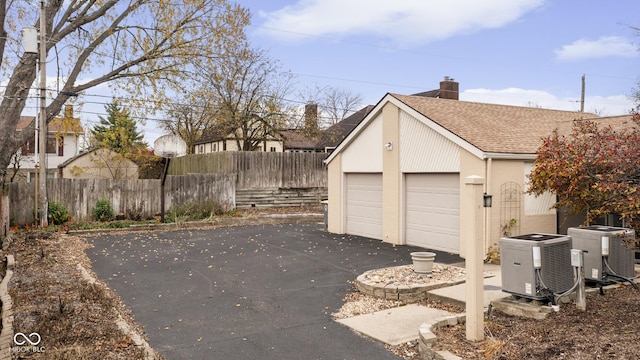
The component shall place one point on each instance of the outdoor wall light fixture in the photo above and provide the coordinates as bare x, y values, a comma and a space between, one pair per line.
487, 200
389, 146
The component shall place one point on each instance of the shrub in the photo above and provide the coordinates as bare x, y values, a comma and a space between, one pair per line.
103, 210
57, 213
135, 213
193, 211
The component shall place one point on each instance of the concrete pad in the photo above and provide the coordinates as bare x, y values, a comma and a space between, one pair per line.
531, 310
457, 294
394, 326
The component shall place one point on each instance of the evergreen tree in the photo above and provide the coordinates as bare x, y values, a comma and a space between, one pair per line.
118, 131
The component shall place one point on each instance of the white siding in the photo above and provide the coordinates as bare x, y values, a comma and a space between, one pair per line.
364, 154
70, 149
424, 150
537, 205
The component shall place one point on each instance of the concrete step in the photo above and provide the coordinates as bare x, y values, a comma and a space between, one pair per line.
279, 197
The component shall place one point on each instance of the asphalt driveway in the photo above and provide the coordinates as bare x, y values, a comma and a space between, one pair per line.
249, 292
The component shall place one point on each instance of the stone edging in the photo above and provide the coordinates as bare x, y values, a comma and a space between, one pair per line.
427, 339
6, 335
404, 293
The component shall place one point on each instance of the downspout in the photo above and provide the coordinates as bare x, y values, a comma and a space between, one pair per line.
487, 211
558, 220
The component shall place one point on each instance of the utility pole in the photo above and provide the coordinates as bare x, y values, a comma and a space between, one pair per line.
582, 96
43, 203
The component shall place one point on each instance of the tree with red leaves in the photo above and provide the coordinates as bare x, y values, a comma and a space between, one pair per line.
593, 170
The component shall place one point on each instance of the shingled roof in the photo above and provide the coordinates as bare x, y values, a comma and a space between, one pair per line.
60, 124
493, 128
214, 133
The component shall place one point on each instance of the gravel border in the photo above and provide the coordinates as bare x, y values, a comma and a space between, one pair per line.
403, 284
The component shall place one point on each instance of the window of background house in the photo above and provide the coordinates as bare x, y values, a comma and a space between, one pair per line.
272, 149
55, 146
29, 147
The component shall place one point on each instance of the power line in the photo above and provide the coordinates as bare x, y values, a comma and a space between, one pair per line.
404, 50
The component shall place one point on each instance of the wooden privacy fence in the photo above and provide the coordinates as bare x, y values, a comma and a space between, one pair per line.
127, 197
258, 170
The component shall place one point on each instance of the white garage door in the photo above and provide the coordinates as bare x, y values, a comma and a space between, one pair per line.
364, 205
433, 211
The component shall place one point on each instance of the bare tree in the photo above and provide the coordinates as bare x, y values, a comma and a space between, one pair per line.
337, 104
12, 171
247, 90
139, 46
189, 120
334, 104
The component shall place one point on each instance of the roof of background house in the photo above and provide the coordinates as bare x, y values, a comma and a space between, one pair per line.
58, 124
431, 93
330, 137
214, 133
334, 134
92, 150
491, 127
299, 139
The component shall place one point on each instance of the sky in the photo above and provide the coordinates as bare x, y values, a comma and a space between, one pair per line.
514, 52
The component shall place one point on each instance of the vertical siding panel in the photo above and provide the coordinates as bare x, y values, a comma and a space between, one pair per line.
425, 150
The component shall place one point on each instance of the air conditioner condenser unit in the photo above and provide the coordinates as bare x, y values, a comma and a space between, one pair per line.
600, 243
523, 256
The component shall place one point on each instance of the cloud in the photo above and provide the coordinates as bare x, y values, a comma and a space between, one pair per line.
602, 105
410, 21
606, 46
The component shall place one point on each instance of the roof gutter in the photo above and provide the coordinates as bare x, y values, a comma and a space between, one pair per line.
508, 156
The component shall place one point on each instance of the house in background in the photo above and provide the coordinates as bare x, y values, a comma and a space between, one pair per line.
399, 174
306, 138
100, 163
63, 133
449, 89
312, 139
217, 139
309, 138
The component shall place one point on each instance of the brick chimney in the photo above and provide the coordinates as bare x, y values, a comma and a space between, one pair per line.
311, 117
68, 111
449, 89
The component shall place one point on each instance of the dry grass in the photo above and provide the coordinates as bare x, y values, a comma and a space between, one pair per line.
75, 319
